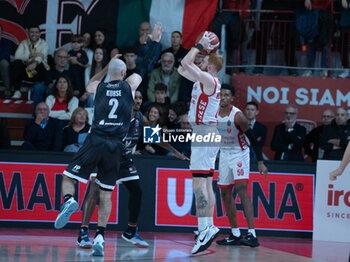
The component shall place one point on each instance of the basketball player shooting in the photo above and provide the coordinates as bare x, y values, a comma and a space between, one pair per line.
202, 115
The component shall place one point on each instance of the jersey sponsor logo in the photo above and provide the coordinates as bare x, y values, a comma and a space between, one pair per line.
228, 129
201, 107
151, 134
76, 168
103, 123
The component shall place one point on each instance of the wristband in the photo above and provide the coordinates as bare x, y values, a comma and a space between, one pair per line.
199, 46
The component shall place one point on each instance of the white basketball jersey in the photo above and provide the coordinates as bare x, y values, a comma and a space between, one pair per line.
232, 139
204, 108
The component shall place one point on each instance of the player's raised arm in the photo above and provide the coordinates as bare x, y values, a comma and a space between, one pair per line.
194, 71
185, 74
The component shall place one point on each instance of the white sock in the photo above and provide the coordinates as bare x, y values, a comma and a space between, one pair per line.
252, 231
236, 232
210, 221
202, 223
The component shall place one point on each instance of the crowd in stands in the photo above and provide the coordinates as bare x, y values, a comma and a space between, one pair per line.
60, 117
297, 28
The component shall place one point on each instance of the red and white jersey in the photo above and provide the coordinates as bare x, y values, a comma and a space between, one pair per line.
232, 139
204, 108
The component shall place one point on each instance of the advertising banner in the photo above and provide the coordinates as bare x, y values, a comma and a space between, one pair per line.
332, 204
272, 93
311, 95
32, 193
282, 201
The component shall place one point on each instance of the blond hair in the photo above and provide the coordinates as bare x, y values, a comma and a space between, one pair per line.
216, 60
77, 111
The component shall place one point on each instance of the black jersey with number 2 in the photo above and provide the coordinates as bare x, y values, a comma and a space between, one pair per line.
113, 106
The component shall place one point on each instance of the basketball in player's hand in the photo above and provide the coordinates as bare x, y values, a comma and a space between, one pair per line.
210, 44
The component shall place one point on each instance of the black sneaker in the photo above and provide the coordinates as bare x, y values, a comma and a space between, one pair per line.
250, 240
230, 241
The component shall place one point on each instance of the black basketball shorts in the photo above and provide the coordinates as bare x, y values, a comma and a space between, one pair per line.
100, 152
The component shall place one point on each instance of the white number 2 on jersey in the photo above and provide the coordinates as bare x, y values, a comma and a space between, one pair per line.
114, 103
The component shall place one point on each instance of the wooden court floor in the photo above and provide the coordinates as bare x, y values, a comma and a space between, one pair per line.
36, 245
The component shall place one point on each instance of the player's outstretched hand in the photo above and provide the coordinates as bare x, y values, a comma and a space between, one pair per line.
180, 156
333, 175
157, 32
262, 168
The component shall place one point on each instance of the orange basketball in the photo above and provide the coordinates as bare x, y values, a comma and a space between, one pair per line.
214, 43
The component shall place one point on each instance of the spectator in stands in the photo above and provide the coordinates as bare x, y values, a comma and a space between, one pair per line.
281, 34
345, 26
130, 55
185, 128
101, 41
41, 91
87, 46
161, 97
78, 59
43, 132
325, 23
176, 48
5, 53
259, 130
186, 85
61, 102
5, 141
176, 110
76, 132
166, 74
312, 139
335, 137
30, 60
288, 137
143, 44
100, 60
235, 27
154, 116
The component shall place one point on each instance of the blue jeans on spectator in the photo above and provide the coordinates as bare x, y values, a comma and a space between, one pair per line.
40, 92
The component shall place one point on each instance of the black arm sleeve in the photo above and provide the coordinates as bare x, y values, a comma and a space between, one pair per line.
251, 136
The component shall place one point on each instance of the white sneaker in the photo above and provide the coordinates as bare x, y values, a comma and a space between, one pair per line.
216, 231
17, 95
204, 239
67, 209
136, 240
307, 73
98, 248
345, 74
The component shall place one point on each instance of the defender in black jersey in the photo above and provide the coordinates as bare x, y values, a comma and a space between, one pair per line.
129, 177
103, 146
